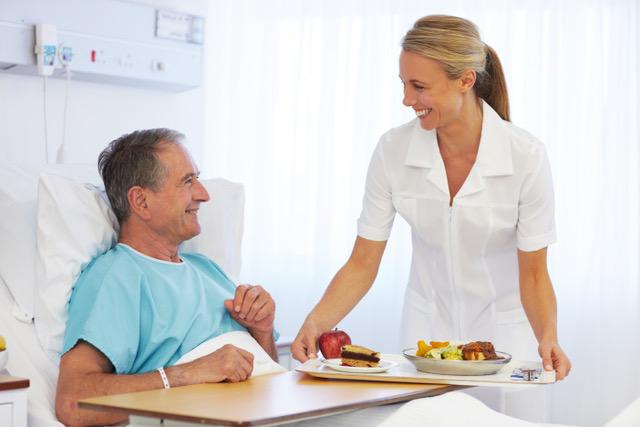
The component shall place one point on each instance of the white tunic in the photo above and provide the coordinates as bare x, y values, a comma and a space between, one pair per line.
463, 283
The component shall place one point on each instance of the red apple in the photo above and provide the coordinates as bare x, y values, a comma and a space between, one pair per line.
331, 343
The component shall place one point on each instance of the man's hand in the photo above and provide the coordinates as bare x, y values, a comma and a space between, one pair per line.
253, 308
228, 363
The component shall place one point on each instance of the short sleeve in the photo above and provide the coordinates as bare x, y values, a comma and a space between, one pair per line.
104, 310
378, 212
536, 222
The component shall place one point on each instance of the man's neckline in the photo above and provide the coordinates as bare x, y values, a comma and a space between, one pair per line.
150, 257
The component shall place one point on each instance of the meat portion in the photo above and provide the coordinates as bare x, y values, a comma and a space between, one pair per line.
479, 350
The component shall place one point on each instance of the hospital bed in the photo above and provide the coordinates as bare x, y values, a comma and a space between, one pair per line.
53, 220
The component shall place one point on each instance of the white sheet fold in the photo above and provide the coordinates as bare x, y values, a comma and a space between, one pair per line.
262, 362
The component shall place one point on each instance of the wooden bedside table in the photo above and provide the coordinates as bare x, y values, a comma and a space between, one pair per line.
13, 401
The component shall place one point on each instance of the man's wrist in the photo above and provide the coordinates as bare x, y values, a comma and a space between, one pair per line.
261, 334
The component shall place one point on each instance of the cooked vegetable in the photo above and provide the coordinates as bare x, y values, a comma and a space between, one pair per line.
452, 352
439, 344
423, 348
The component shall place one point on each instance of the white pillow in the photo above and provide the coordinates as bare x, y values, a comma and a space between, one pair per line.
18, 200
263, 364
76, 224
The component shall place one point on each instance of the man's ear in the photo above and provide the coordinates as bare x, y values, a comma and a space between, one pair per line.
138, 202
467, 80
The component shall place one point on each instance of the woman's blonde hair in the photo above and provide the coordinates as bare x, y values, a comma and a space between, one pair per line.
455, 43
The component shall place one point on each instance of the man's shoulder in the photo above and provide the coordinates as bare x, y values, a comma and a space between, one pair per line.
111, 263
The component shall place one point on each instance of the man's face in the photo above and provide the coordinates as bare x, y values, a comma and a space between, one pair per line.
174, 207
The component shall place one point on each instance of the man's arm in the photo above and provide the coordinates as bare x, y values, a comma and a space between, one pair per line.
253, 308
86, 372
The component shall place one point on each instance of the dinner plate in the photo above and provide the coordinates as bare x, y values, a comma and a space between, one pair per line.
457, 367
336, 364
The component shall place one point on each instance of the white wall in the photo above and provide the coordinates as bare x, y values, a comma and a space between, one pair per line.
97, 113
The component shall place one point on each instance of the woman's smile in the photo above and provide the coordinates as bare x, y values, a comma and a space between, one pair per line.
423, 113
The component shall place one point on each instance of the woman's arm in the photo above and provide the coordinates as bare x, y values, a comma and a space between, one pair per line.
346, 289
539, 302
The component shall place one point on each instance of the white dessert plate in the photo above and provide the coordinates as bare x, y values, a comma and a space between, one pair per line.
336, 364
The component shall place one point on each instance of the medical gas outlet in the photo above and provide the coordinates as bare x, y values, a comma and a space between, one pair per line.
152, 48
65, 55
45, 49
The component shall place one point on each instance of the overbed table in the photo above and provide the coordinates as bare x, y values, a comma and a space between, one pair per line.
13, 401
260, 401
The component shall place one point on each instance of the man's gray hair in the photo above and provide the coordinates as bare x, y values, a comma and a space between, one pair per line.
132, 160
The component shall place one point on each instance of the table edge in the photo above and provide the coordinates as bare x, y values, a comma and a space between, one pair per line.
15, 384
275, 420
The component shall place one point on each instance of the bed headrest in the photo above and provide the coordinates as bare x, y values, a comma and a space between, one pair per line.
59, 229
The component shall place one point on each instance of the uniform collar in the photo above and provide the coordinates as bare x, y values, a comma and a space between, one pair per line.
493, 159
494, 153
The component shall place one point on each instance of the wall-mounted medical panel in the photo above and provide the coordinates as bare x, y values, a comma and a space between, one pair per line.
106, 41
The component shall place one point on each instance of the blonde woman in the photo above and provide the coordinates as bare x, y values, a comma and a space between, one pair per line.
477, 193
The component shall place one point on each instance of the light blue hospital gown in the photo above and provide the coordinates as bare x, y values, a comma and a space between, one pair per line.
143, 313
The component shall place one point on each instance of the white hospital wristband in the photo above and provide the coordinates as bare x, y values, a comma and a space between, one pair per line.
165, 380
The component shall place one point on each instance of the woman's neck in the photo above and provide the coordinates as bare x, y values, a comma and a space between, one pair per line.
461, 137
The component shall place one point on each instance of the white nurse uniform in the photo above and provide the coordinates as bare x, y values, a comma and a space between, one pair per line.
463, 284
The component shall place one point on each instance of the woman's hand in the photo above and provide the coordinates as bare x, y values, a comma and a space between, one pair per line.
553, 358
305, 346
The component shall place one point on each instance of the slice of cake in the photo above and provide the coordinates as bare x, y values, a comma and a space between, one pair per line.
360, 357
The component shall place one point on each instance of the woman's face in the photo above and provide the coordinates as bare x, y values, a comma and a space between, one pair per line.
436, 99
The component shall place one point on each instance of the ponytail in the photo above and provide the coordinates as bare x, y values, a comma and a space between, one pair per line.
492, 86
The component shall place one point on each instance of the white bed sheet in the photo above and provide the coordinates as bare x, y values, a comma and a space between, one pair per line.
28, 360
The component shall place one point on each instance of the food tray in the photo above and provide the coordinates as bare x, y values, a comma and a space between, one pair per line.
405, 372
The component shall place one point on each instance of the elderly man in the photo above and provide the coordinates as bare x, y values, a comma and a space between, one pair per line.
142, 305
